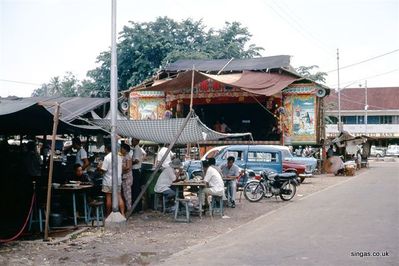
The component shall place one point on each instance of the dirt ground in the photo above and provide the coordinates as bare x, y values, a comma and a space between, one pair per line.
150, 237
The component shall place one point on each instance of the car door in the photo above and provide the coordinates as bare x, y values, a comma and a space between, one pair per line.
263, 159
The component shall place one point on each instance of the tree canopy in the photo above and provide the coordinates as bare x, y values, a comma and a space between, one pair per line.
68, 86
306, 71
143, 48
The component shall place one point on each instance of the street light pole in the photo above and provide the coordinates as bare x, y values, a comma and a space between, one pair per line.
115, 220
340, 125
366, 107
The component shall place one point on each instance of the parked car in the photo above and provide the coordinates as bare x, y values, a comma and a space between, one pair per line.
393, 150
237, 151
254, 157
309, 162
376, 152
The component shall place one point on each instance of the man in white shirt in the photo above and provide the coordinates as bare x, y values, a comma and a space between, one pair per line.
106, 169
160, 155
138, 155
213, 180
231, 172
169, 175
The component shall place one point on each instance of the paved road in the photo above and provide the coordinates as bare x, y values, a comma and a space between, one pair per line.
343, 225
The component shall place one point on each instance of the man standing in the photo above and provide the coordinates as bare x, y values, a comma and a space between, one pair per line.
231, 172
81, 155
106, 169
160, 155
213, 180
137, 159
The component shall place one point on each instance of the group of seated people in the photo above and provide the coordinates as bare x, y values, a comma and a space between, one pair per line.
214, 177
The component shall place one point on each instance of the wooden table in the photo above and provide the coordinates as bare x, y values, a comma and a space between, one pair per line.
77, 189
200, 184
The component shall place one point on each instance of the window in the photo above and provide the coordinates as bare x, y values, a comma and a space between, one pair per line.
373, 119
380, 119
349, 120
256, 156
236, 154
331, 120
386, 119
360, 119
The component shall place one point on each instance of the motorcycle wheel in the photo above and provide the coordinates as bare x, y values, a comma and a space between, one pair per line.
287, 191
254, 191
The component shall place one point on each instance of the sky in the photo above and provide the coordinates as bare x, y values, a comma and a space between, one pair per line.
40, 39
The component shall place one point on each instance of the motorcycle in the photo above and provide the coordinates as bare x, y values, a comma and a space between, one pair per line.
271, 184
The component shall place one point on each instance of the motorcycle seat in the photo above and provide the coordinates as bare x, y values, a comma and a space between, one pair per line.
286, 176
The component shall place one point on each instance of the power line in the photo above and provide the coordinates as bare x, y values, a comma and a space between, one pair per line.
300, 23
364, 61
369, 77
20, 82
296, 25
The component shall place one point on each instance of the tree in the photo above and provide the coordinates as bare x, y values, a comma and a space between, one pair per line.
68, 86
305, 71
144, 48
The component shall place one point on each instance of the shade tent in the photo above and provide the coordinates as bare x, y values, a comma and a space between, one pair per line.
260, 83
164, 131
34, 115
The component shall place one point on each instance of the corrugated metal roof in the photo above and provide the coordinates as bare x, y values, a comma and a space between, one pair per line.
261, 63
70, 107
35, 115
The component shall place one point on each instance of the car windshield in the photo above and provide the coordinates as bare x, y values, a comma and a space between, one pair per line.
286, 154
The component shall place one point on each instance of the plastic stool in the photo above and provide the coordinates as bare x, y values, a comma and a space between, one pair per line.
99, 207
184, 203
213, 207
157, 196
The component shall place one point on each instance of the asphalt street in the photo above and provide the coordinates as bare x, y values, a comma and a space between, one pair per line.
353, 223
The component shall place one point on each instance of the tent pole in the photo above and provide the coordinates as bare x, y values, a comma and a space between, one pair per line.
143, 190
192, 90
50, 174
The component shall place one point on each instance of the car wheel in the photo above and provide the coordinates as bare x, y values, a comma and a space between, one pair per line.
378, 155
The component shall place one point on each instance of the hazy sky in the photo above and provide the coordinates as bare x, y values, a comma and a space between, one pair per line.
40, 39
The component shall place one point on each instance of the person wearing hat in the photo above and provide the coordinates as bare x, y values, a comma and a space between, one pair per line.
169, 175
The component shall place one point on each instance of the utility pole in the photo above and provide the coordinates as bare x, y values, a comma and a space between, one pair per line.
115, 220
366, 107
340, 125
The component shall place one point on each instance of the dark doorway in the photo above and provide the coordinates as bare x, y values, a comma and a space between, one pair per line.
239, 118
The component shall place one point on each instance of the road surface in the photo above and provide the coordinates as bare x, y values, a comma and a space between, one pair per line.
353, 223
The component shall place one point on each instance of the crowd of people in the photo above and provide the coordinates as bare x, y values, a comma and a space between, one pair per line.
130, 180
216, 179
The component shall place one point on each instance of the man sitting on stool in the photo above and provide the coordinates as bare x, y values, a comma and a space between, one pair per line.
231, 172
169, 175
214, 182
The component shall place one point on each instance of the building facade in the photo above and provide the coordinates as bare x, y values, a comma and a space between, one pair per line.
373, 112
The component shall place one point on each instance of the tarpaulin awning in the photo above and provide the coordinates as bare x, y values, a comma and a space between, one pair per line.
35, 115
254, 82
164, 131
